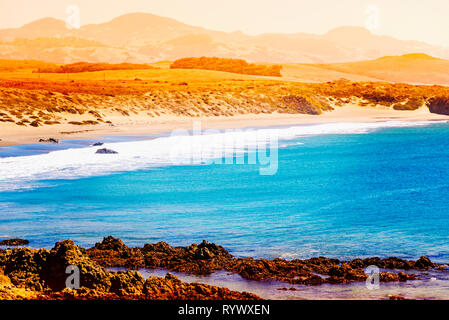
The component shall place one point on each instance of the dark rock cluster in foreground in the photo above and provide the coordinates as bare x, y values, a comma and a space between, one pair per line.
41, 274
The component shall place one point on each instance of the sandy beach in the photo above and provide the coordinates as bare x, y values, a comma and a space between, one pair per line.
11, 134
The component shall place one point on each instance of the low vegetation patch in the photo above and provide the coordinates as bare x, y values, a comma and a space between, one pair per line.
228, 65
298, 104
39, 102
91, 67
413, 103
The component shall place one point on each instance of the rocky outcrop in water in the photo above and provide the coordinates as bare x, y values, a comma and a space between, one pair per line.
14, 242
42, 274
112, 252
207, 257
106, 151
424, 263
65, 254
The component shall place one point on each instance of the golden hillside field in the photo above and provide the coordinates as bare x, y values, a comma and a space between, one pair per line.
46, 102
314, 73
37, 99
410, 68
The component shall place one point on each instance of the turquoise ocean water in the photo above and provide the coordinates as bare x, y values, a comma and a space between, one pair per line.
374, 191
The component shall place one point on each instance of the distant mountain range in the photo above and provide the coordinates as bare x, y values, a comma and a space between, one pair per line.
143, 37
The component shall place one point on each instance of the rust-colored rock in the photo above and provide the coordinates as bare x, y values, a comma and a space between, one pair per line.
387, 263
41, 274
424, 263
207, 257
398, 298
171, 288
112, 252
126, 283
14, 242
65, 254
24, 266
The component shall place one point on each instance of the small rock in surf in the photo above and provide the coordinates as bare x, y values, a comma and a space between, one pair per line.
49, 140
106, 151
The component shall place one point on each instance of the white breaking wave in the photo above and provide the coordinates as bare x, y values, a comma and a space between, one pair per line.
26, 171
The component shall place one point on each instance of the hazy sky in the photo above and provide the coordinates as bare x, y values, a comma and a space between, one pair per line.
425, 20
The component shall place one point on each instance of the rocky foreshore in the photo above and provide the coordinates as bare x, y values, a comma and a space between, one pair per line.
42, 274
206, 258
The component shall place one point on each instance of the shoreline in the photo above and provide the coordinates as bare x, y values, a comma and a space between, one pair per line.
12, 135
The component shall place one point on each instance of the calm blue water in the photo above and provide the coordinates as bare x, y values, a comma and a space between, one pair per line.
379, 194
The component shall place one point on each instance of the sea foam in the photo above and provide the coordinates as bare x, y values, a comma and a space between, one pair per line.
177, 149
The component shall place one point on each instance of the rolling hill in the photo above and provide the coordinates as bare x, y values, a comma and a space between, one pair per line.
410, 68
144, 37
